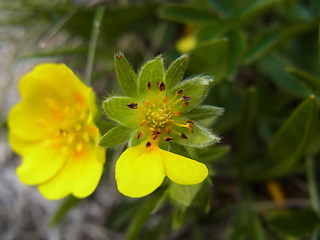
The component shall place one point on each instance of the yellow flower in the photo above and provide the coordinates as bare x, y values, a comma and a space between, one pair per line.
141, 169
53, 129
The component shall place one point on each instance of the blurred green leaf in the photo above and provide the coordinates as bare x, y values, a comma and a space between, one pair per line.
290, 141
309, 81
237, 44
115, 136
245, 126
186, 14
63, 209
293, 223
265, 41
183, 195
274, 66
142, 215
211, 154
210, 57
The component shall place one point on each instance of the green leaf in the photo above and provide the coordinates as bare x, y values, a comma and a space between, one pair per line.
115, 136
204, 112
126, 76
116, 109
309, 81
176, 71
245, 125
210, 57
152, 72
290, 141
63, 209
293, 223
274, 66
201, 137
186, 14
183, 195
211, 154
267, 40
237, 45
197, 88
142, 215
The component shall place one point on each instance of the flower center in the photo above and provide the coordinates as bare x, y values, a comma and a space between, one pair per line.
66, 125
159, 116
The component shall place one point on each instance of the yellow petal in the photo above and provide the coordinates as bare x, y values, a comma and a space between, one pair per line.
139, 171
183, 170
50, 78
79, 176
40, 163
25, 121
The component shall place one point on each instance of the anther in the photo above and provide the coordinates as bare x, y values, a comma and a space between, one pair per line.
165, 99
182, 135
190, 121
148, 144
146, 103
162, 86
139, 134
185, 104
190, 127
149, 85
168, 139
132, 105
168, 129
179, 92
144, 122
186, 98
177, 113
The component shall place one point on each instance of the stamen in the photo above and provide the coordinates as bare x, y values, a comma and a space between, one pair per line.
132, 105
186, 98
168, 129
168, 139
190, 121
179, 92
182, 135
162, 86
185, 104
190, 127
148, 144
177, 113
149, 85
146, 103
139, 135
143, 123
165, 99
79, 147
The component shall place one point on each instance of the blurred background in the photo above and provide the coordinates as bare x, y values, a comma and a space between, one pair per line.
264, 55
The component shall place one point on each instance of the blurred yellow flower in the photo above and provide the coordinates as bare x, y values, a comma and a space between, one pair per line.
53, 129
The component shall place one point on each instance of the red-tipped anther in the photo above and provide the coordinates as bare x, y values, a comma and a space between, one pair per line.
148, 144
182, 135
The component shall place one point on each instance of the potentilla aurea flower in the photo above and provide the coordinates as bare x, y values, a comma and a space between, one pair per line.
53, 130
157, 113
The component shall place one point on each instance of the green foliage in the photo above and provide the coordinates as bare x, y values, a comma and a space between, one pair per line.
261, 56
115, 136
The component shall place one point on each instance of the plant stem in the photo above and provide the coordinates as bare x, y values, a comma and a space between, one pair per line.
93, 42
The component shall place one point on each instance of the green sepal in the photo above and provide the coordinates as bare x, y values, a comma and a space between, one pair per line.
133, 138
204, 112
201, 137
126, 76
115, 136
197, 88
152, 72
176, 71
116, 109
